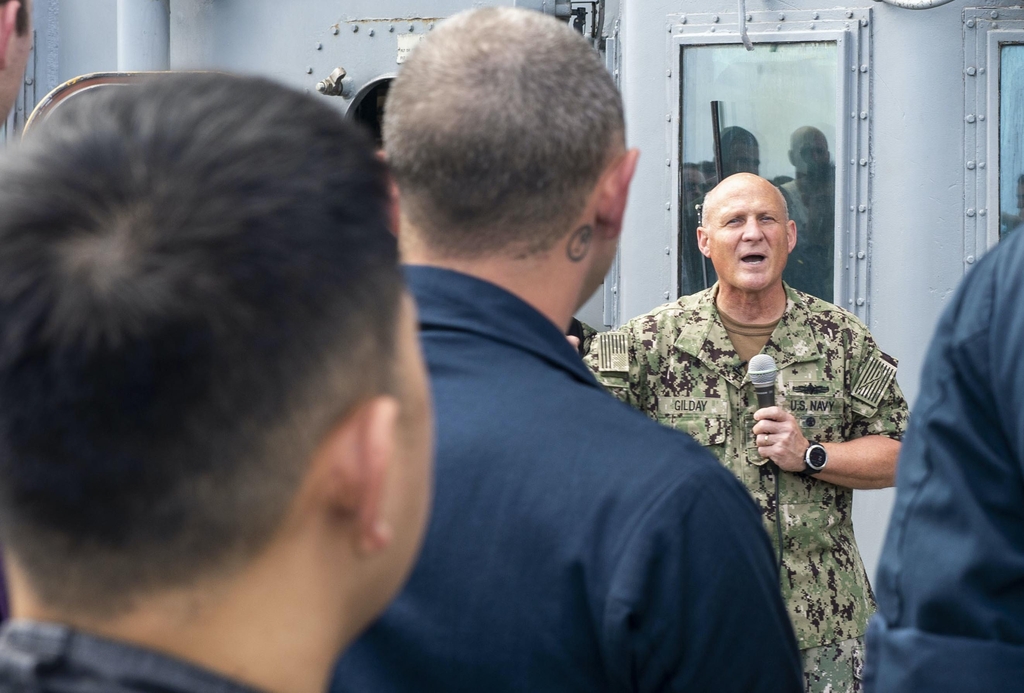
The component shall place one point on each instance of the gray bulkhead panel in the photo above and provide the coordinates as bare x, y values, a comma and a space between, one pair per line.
901, 109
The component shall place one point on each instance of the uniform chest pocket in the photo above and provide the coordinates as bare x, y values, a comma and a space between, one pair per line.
705, 419
708, 431
821, 419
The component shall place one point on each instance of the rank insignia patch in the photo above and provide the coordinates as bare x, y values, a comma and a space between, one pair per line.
613, 354
874, 380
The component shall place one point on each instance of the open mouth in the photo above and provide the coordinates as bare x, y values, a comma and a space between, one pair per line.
753, 259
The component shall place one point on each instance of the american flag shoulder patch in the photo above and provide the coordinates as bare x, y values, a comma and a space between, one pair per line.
874, 380
613, 353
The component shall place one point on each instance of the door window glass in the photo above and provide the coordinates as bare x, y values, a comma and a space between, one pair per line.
774, 110
1011, 145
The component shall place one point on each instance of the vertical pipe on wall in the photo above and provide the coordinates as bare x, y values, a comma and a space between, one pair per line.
143, 35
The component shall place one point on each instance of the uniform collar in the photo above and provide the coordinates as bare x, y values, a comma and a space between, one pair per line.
792, 341
449, 300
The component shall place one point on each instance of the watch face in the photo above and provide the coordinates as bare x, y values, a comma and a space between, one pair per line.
816, 456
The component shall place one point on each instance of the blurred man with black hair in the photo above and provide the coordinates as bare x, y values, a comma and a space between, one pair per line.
214, 424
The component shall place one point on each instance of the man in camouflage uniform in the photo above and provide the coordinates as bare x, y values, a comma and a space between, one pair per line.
680, 365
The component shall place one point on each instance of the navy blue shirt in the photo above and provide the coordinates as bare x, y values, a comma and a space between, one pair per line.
38, 657
951, 577
575, 545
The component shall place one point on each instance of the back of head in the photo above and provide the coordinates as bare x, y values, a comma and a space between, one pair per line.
497, 129
196, 282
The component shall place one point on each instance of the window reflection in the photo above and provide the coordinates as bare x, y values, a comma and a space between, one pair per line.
776, 116
1011, 146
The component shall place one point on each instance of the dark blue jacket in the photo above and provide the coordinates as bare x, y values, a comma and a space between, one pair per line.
951, 577
575, 545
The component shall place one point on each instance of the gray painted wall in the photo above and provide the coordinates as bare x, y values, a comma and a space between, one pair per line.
916, 247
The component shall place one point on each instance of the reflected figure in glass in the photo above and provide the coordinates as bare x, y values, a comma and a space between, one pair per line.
740, 152
810, 197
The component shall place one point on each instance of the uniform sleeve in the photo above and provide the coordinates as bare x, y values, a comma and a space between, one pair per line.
695, 603
877, 405
618, 365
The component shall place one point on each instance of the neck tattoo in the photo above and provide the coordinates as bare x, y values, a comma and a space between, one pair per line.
579, 243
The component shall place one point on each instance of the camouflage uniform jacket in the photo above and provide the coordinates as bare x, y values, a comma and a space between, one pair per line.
677, 364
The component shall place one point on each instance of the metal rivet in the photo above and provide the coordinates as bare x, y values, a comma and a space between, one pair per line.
993, 14
778, 27
970, 165
309, 70
849, 14
668, 251
668, 205
970, 259
712, 30
863, 68
750, 17
970, 23
372, 32
971, 71
970, 212
861, 255
864, 22
319, 46
29, 81
982, 212
430, 27
815, 16
970, 118
853, 68
981, 117
714, 18
981, 70
853, 162
861, 208
981, 164
851, 254
391, 28
668, 117
860, 301
412, 27
668, 162
853, 114
668, 73
682, 20
852, 209
335, 31
863, 115
782, 17
355, 28
863, 162
994, 25
850, 301
812, 25
666, 295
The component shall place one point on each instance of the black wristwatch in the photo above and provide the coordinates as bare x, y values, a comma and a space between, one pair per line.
815, 459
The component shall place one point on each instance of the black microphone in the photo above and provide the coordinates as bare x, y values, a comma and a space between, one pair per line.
762, 371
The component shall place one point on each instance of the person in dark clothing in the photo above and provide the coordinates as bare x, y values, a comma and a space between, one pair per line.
215, 430
950, 582
575, 544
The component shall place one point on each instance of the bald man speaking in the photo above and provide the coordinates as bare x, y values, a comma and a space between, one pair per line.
837, 426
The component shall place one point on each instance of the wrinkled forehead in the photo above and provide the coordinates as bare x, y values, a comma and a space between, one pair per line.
743, 194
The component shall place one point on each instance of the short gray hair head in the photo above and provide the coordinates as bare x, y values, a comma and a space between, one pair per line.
497, 129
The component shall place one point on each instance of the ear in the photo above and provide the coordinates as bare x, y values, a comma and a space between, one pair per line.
702, 242
613, 194
355, 459
8, 21
791, 234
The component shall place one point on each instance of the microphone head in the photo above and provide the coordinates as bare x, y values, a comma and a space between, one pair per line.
762, 370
